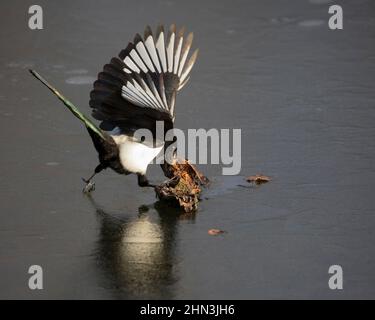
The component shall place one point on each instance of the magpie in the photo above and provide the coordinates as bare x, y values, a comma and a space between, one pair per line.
134, 91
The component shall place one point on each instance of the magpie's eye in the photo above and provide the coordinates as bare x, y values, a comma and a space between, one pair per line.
143, 138
174, 139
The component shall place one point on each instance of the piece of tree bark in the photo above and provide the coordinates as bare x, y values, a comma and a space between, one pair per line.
184, 187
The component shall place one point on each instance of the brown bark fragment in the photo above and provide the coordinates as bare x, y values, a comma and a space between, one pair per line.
184, 187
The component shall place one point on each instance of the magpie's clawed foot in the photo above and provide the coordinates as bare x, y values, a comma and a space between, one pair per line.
143, 181
89, 187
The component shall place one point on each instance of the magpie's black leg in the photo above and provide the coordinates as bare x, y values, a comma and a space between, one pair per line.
143, 181
90, 185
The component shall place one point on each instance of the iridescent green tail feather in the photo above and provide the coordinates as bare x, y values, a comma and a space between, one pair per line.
88, 123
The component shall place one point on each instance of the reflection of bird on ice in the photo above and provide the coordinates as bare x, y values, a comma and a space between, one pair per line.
137, 254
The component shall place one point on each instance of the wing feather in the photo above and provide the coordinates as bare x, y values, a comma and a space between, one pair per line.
147, 74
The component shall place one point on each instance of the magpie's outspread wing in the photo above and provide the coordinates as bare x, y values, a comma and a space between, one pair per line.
139, 87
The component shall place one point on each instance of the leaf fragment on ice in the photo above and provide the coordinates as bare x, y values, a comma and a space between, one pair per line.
258, 179
215, 232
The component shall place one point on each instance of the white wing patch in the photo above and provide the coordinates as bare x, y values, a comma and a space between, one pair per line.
148, 63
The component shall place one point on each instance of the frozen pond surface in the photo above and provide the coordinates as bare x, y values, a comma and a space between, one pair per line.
304, 98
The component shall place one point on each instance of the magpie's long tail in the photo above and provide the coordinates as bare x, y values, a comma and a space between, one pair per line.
88, 123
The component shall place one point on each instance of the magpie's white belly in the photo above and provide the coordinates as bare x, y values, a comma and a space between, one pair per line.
135, 156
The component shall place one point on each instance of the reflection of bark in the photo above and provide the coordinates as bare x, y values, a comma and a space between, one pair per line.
137, 253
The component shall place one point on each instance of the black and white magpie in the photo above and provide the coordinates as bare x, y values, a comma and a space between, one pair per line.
134, 91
